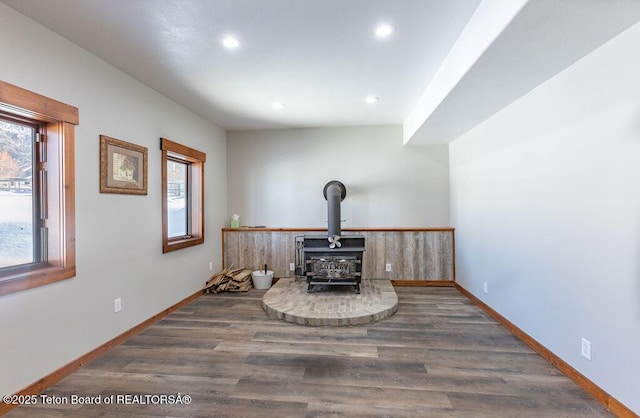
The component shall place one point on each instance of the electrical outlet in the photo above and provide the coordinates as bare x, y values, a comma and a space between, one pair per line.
292, 267
485, 287
586, 349
210, 265
117, 305
388, 267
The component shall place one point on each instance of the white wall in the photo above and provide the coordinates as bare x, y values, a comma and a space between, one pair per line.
119, 248
276, 177
546, 205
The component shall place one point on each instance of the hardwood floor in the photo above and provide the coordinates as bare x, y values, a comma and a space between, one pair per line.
438, 356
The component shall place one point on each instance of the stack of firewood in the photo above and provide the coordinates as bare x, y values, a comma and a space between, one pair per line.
238, 280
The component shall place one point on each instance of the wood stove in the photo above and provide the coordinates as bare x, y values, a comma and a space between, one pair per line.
332, 259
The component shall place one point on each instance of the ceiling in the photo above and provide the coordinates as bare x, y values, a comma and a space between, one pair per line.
321, 58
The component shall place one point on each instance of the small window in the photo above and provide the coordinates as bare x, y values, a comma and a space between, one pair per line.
22, 214
182, 196
37, 189
177, 198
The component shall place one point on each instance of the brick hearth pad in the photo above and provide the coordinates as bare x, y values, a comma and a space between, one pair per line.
289, 300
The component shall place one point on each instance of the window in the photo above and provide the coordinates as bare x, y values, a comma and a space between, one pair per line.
177, 187
22, 230
182, 196
37, 199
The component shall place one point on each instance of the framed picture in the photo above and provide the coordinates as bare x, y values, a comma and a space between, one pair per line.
123, 167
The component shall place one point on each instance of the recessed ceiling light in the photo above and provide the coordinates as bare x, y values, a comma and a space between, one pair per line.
278, 105
231, 42
384, 30
371, 99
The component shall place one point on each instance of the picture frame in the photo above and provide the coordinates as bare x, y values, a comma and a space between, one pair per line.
123, 167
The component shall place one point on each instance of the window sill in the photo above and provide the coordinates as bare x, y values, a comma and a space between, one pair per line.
40, 277
169, 246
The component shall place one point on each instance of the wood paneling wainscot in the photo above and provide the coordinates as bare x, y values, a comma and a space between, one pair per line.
415, 254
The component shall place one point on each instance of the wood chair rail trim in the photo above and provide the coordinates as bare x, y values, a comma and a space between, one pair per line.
351, 229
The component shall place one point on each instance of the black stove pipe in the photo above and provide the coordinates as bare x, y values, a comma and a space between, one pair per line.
334, 192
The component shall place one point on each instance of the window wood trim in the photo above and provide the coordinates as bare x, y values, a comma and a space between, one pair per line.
197, 159
19, 101
60, 119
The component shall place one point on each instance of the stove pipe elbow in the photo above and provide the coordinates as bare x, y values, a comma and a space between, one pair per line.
334, 192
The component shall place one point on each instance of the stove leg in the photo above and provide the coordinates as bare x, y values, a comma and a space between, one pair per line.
357, 288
